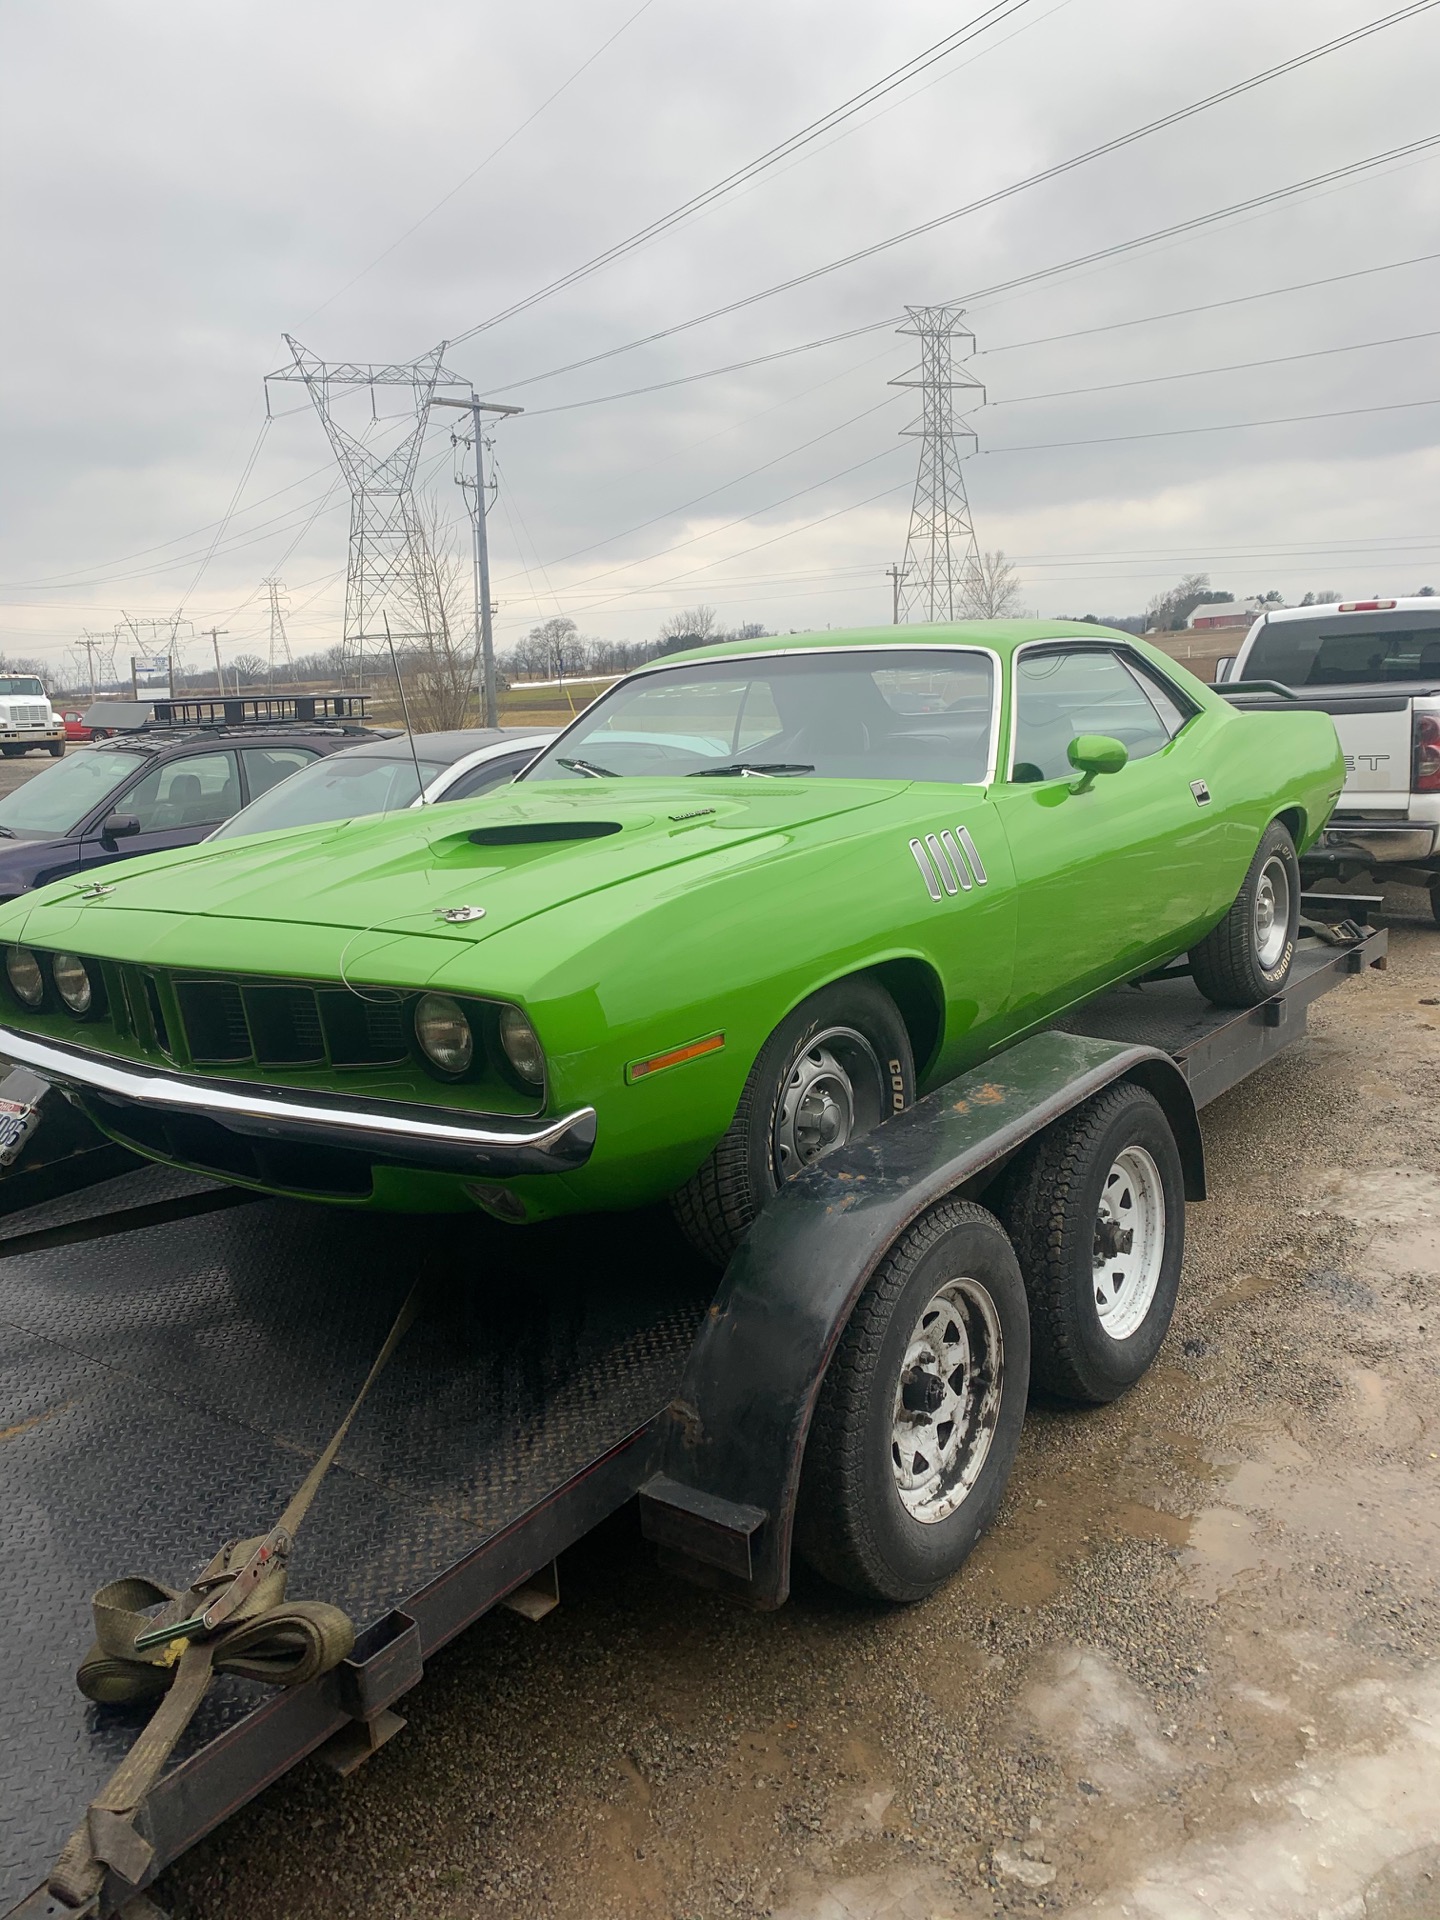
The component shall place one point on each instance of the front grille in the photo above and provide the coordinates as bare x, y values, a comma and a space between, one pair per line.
279, 1023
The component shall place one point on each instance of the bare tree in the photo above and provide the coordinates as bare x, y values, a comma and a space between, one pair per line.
994, 591
551, 650
439, 663
693, 628
250, 668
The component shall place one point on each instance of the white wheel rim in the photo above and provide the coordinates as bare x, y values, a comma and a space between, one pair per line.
1272, 914
947, 1400
1129, 1246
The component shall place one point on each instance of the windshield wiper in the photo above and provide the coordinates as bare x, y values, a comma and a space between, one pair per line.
588, 766
767, 769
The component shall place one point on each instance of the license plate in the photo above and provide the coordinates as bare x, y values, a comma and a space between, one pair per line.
18, 1121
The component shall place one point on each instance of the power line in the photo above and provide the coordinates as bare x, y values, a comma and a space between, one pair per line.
475, 171
994, 15
1227, 426
1060, 168
1235, 366
1181, 313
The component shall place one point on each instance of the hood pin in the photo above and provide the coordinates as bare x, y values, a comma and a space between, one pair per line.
457, 916
98, 891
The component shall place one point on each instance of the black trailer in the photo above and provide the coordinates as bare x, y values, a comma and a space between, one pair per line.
175, 1354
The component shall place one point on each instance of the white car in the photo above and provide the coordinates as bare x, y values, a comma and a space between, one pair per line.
379, 776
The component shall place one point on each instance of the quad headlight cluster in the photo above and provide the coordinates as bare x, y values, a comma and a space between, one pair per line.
452, 1035
76, 982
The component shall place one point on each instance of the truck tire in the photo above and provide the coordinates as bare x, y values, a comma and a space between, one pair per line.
835, 1068
1095, 1208
11, 753
1435, 901
919, 1414
57, 750
1247, 958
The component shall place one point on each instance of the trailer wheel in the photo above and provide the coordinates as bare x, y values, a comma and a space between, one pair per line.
838, 1066
1248, 956
918, 1418
1096, 1211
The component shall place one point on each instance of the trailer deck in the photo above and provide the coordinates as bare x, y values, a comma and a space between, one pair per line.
175, 1354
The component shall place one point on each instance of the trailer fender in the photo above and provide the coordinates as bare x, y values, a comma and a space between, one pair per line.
722, 1504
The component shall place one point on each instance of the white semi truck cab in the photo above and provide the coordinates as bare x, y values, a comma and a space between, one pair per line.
27, 718
1374, 666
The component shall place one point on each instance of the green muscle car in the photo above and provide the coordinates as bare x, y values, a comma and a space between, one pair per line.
747, 905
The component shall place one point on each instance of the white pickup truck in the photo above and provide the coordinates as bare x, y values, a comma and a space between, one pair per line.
1374, 665
27, 718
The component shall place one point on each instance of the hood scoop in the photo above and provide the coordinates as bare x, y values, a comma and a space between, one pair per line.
535, 833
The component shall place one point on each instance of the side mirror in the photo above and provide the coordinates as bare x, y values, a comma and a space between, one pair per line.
1222, 669
1092, 753
120, 826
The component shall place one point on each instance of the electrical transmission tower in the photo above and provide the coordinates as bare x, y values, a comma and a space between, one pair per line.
278, 634
941, 574
386, 575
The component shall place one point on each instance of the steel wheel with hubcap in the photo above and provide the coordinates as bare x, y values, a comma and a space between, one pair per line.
1095, 1206
919, 1414
835, 1069
1248, 956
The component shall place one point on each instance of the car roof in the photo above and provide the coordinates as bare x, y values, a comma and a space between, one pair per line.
1377, 603
1003, 636
154, 741
448, 746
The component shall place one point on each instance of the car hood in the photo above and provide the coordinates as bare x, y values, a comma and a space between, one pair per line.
511, 857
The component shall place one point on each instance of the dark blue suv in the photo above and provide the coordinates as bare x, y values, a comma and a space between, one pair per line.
167, 783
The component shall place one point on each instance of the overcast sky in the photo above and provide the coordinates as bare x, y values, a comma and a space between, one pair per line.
186, 184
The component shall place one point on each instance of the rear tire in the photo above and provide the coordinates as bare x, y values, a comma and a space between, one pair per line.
836, 1068
1247, 958
919, 1414
1100, 1302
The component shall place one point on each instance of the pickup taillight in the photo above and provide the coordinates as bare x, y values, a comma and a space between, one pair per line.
1426, 771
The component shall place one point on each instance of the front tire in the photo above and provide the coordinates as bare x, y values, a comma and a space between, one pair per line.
836, 1068
1248, 957
1095, 1207
58, 750
919, 1414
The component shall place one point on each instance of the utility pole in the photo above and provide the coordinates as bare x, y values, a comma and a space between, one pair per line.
484, 632
895, 574
940, 576
215, 633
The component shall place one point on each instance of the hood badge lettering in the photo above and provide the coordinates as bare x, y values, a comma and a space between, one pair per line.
457, 916
695, 813
98, 890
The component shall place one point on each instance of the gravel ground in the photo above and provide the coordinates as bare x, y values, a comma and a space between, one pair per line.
1193, 1672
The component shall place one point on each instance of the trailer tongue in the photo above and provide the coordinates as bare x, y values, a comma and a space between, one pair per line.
176, 1355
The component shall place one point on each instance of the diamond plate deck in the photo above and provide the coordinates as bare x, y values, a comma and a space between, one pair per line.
163, 1390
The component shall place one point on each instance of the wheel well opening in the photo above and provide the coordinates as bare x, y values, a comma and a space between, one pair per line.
912, 985
1293, 821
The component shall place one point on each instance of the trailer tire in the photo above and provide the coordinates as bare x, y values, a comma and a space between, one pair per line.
1099, 1308
857, 1523
1248, 957
852, 1027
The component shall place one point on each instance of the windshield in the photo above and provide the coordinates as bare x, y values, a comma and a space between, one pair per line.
341, 788
1348, 649
894, 713
21, 683
57, 800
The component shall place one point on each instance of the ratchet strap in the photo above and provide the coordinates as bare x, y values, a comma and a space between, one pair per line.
234, 1619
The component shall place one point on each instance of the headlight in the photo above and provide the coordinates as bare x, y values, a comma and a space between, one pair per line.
522, 1047
23, 971
73, 982
444, 1032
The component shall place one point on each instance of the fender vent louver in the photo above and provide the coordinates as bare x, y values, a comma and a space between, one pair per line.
534, 833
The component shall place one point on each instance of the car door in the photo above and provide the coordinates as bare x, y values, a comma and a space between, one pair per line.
176, 803
1106, 872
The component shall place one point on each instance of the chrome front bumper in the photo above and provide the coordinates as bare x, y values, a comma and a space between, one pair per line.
387, 1131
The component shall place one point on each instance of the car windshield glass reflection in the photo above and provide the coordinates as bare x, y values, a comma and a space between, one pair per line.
57, 800
340, 788
894, 713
